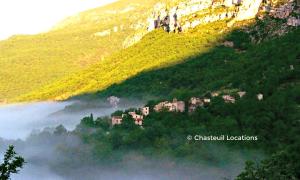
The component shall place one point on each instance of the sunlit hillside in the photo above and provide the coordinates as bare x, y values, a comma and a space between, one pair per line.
155, 50
30, 61
168, 65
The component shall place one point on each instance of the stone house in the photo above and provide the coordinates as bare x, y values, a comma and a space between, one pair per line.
260, 97
179, 105
241, 93
138, 119
145, 111
160, 106
228, 99
214, 94
116, 120
206, 100
175, 106
195, 103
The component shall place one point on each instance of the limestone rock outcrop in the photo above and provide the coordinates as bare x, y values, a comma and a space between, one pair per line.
289, 11
174, 19
248, 9
187, 14
283, 11
293, 21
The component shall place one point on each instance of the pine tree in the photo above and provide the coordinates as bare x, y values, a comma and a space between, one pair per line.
12, 163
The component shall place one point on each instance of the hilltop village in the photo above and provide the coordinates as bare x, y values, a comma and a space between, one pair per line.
177, 106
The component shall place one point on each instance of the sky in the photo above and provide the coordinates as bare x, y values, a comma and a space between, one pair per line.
35, 16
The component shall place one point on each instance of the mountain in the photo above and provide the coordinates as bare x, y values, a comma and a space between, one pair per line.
30, 61
103, 47
194, 61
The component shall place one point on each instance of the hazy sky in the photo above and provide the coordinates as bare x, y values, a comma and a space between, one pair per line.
34, 16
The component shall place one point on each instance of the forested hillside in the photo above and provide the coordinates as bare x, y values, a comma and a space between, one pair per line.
156, 50
188, 63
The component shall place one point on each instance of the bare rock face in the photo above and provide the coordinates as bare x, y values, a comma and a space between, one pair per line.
131, 40
187, 14
248, 9
103, 33
171, 19
228, 44
228, 3
293, 21
289, 11
283, 11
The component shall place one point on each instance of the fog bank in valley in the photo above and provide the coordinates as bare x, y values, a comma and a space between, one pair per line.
17, 122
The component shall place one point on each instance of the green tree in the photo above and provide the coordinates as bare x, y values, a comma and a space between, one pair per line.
12, 163
60, 130
279, 166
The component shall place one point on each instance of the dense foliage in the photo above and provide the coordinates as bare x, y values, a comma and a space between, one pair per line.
12, 164
156, 50
254, 68
274, 121
164, 66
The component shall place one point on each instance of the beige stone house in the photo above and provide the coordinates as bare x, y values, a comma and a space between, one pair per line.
228, 99
175, 106
116, 120
145, 111
260, 97
138, 119
241, 93
194, 103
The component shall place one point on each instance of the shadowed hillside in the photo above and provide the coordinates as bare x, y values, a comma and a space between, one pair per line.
253, 67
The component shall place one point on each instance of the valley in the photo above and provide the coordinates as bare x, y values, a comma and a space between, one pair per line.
160, 89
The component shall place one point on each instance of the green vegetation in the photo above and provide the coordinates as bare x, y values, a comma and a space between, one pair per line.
164, 66
156, 50
30, 61
275, 121
214, 69
254, 68
12, 163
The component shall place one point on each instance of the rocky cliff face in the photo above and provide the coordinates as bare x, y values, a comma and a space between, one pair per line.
184, 15
248, 9
290, 11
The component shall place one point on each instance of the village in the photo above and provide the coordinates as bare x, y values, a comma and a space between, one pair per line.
176, 106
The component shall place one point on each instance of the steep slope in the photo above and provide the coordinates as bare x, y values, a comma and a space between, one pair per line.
155, 50
183, 73
30, 61
203, 25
